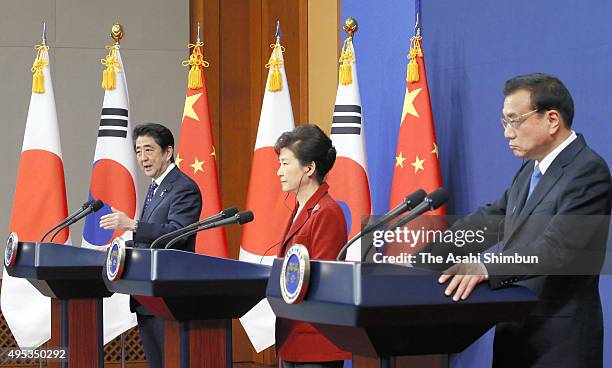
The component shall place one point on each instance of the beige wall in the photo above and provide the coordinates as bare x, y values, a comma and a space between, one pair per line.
156, 33
323, 53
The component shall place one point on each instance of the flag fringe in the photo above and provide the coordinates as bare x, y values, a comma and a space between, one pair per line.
412, 71
196, 62
109, 77
275, 82
345, 72
38, 79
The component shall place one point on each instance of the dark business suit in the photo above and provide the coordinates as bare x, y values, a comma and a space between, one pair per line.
565, 223
177, 203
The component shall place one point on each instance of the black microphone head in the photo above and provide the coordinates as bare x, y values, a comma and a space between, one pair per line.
97, 205
437, 198
87, 204
415, 198
245, 216
229, 212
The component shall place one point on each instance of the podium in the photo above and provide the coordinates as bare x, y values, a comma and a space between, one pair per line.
385, 310
72, 276
197, 295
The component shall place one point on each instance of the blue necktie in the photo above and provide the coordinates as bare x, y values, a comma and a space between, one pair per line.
535, 178
150, 193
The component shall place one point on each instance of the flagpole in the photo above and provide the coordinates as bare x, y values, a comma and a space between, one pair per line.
417, 14
44, 35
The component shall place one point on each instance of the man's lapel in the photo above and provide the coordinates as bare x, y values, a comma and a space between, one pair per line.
546, 183
160, 193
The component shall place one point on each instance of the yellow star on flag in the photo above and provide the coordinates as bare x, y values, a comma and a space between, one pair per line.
178, 160
197, 166
188, 109
399, 160
418, 164
409, 103
435, 150
214, 153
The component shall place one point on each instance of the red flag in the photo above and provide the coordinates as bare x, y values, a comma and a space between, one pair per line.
416, 159
196, 155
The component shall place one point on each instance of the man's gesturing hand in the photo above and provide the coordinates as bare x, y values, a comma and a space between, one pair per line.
117, 220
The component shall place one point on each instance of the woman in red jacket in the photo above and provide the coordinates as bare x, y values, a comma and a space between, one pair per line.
306, 155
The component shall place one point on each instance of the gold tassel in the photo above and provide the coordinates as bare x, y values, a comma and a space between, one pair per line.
275, 82
412, 71
345, 72
195, 62
38, 79
195, 78
109, 77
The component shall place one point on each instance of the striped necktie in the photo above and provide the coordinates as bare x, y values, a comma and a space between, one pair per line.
150, 193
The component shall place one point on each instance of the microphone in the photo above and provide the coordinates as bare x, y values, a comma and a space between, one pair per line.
94, 206
408, 204
434, 200
64, 221
228, 212
239, 218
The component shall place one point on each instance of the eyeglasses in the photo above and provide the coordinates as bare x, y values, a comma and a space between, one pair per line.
515, 122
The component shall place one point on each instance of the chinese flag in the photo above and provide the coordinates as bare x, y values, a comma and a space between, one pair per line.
196, 155
416, 159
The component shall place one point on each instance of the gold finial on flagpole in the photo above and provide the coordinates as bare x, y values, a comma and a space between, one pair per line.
111, 61
345, 72
116, 33
350, 26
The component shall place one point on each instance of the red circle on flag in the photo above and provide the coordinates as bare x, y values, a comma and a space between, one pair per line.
348, 183
113, 184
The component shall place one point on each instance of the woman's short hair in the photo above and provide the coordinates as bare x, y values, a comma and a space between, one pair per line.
309, 144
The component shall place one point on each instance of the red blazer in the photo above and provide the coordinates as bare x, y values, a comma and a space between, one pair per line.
320, 227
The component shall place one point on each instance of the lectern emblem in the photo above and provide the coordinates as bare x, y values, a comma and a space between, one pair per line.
10, 254
295, 274
115, 259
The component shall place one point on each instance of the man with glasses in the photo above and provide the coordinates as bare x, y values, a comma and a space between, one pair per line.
557, 208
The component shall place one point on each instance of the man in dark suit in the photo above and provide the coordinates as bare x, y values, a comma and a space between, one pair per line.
173, 201
557, 209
